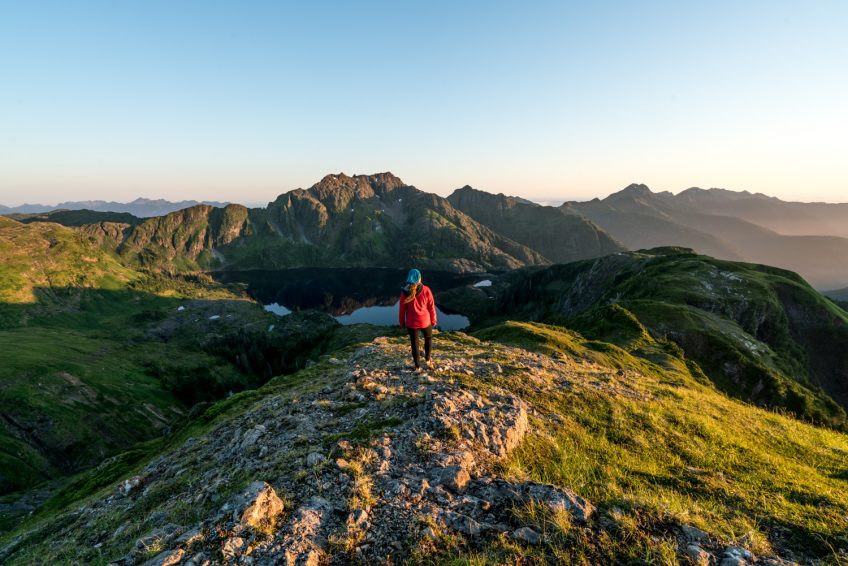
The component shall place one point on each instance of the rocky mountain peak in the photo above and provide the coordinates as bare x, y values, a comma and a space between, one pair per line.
636, 189
365, 185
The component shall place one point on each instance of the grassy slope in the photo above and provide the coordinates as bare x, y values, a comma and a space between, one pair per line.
82, 377
78, 386
651, 446
758, 332
47, 262
100, 480
667, 449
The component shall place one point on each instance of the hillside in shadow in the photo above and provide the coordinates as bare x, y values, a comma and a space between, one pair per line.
88, 373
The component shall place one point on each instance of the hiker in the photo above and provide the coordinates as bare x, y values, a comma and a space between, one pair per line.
417, 313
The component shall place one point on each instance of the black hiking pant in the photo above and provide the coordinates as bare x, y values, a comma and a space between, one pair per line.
428, 340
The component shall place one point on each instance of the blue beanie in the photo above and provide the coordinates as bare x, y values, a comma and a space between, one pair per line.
414, 277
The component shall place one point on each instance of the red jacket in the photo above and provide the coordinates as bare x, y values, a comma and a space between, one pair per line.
420, 312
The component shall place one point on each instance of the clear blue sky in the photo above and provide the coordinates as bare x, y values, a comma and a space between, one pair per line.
243, 100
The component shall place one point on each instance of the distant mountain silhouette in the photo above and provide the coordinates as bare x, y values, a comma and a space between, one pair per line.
787, 218
809, 238
141, 207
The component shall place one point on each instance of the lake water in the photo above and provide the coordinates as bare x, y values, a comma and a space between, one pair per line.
352, 296
388, 316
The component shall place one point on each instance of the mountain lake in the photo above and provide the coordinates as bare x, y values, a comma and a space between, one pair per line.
351, 295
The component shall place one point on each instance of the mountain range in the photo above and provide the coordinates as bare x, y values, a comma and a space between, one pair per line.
809, 238
140, 207
378, 220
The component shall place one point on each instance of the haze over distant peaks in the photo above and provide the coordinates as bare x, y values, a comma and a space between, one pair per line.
810, 238
141, 207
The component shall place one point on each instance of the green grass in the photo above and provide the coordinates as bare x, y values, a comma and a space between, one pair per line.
684, 454
362, 431
79, 397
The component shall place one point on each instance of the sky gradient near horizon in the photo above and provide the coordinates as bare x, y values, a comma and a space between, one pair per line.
240, 101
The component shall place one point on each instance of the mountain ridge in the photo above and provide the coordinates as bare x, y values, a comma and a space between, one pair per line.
538, 443
723, 226
364, 220
141, 207
559, 236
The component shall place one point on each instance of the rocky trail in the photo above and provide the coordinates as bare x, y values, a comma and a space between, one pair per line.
360, 460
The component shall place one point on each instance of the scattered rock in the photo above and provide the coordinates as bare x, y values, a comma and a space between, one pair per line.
233, 547
698, 555
167, 558
358, 520
527, 535
736, 556
461, 523
452, 477
258, 506
693, 534
559, 499
130, 486
314, 459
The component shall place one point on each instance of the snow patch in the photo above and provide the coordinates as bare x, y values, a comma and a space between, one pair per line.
277, 309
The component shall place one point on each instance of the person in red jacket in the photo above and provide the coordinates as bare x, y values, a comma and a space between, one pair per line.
417, 313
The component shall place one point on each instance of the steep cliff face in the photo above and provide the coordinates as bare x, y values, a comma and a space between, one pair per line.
556, 233
186, 238
109, 235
